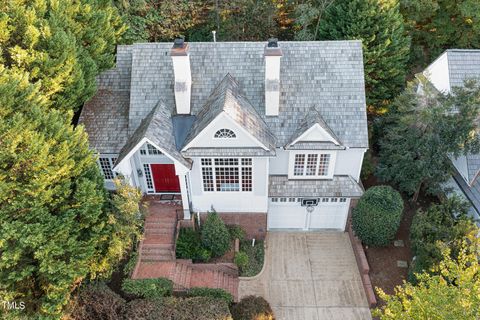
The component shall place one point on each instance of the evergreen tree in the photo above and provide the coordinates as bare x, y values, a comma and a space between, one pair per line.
58, 225
437, 25
379, 25
62, 45
424, 130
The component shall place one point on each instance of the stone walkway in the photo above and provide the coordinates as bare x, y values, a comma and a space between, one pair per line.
310, 276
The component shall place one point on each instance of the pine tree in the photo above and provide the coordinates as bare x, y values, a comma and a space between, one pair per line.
58, 226
63, 45
424, 131
379, 25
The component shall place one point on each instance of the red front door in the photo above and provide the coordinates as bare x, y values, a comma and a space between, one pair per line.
164, 178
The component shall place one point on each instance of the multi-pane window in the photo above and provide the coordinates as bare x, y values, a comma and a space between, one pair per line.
106, 164
150, 150
299, 165
148, 176
311, 165
225, 134
227, 174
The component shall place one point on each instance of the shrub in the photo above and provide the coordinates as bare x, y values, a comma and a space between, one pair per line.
130, 265
252, 308
236, 232
255, 257
189, 246
97, 301
377, 217
241, 260
215, 236
198, 308
148, 288
212, 293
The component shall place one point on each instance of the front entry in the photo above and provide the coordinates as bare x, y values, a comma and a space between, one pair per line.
164, 178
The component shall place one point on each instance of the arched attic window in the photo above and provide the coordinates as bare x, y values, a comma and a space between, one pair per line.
225, 134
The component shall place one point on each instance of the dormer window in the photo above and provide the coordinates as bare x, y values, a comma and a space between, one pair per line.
311, 165
225, 134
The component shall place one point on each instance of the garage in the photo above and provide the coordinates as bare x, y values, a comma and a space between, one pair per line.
323, 213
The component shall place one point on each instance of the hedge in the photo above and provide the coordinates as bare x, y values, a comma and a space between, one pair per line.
148, 288
212, 293
252, 308
377, 217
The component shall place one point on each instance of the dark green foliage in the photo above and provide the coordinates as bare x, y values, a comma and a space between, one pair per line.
241, 260
255, 255
148, 288
198, 308
58, 224
236, 232
215, 236
130, 265
422, 131
379, 25
437, 25
61, 45
368, 167
252, 308
189, 246
97, 301
433, 229
377, 216
212, 293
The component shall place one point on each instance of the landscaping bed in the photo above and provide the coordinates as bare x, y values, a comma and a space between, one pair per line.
384, 271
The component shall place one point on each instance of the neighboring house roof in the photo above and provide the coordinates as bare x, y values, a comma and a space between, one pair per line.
463, 64
473, 167
471, 192
312, 117
105, 118
228, 97
157, 127
339, 186
328, 74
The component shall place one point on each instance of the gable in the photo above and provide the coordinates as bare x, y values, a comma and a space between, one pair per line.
206, 138
316, 134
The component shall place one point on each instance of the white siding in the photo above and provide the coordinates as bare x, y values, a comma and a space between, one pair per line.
279, 164
255, 201
438, 73
349, 162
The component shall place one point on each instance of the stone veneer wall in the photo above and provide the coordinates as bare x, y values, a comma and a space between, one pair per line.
254, 224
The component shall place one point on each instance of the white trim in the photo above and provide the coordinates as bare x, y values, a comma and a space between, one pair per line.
214, 122
331, 164
316, 126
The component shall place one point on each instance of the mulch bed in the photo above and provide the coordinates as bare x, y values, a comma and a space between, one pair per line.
384, 272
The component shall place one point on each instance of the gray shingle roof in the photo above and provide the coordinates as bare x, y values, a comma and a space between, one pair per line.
473, 167
339, 186
312, 117
105, 118
471, 192
228, 97
327, 74
158, 128
106, 115
463, 64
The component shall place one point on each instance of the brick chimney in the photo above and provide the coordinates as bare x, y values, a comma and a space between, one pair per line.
273, 53
183, 75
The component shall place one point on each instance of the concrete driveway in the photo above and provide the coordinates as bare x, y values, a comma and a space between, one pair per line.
310, 276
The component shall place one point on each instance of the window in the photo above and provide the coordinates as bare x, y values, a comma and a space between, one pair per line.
291, 199
334, 199
106, 164
283, 199
311, 164
148, 176
225, 134
343, 199
227, 174
150, 150
324, 199
274, 199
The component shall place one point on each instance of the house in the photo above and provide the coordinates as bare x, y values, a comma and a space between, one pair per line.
271, 135
450, 70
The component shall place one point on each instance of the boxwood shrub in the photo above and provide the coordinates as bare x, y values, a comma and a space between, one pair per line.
211, 292
189, 246
96, 301
377, 217
148, 288
252, 308
215, 236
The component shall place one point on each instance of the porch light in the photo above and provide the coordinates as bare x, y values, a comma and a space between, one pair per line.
139, 172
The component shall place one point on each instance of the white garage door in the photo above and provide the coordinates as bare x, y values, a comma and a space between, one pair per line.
287, 213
